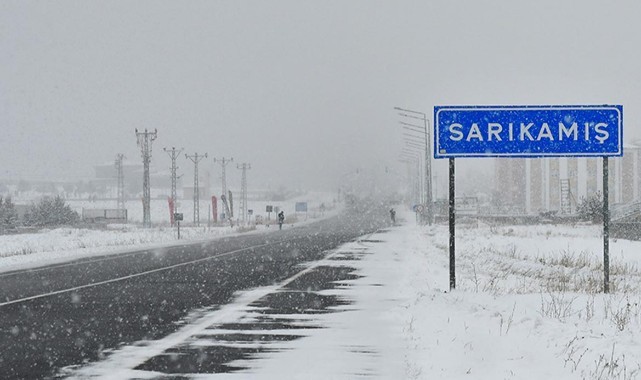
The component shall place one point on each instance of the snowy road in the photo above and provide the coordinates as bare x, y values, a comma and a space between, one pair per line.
74, 313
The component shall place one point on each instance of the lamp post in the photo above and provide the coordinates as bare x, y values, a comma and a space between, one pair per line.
413, 160
415, 154
428, 162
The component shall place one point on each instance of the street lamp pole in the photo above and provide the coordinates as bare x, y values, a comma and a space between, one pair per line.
428, 162
413, 173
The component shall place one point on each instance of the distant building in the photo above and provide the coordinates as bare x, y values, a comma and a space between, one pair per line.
132, 173
532, 185
108, 170
203, 193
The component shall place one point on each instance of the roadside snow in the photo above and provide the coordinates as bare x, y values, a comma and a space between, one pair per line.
59, 245
65, 244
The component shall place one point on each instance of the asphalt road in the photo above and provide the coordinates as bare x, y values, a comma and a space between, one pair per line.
70, 314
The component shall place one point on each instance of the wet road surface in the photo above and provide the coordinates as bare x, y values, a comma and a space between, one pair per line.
70, 315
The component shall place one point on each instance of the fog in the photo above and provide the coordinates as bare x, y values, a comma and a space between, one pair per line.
302, 90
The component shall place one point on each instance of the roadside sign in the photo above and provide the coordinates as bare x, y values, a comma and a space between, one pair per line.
528, 131
178, 217
301, 206
269, 208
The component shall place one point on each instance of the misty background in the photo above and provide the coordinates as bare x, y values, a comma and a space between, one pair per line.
302, 90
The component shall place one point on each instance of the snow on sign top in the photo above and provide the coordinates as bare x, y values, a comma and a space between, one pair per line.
528, 131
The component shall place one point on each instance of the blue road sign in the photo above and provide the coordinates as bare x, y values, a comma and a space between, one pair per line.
528, 131
301, 206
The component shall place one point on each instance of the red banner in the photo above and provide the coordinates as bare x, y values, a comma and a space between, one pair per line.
171, 210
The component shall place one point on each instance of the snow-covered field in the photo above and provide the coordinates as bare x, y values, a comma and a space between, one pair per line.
159, 208
64, 244
527, 306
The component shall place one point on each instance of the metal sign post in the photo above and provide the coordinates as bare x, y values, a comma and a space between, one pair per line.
452, 207
178, 217
606, 227
529, 131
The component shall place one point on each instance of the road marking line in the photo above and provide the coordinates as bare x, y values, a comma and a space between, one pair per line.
108, 256
139, 274
63, 265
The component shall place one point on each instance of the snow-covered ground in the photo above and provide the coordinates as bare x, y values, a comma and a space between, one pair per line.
63, 244
159, 208
527, 306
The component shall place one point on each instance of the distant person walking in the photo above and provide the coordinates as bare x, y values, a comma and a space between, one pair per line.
392, 215
281, 219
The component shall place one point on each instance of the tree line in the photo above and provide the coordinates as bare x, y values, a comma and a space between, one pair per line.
47, 212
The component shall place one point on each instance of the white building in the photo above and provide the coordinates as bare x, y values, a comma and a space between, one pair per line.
531, 185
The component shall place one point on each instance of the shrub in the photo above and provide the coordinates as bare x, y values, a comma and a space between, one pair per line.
8, 215
591, 208
50, 212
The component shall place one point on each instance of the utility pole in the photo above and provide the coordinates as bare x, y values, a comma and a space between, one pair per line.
243, 190
144, 142
223, 164
173, 154
196, 158
121, 182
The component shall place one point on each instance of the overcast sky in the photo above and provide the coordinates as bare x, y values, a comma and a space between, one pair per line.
302, 90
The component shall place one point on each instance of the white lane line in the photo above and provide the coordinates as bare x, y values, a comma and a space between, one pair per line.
138, 274
56, 266
104, 257
119, 364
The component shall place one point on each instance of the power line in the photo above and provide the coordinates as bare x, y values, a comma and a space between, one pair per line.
196, 158
145, 140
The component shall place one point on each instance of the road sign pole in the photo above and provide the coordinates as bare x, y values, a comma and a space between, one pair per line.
606, 227
452, 210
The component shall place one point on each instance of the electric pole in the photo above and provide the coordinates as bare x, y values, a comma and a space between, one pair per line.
121, 182
144, 142
422, 129
173, 154
243, 190
223, 164
196, 158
